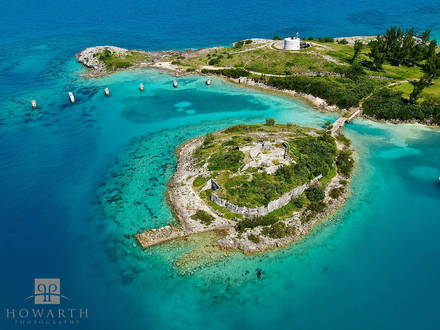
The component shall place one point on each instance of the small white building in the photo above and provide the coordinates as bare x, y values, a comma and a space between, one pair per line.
292, 43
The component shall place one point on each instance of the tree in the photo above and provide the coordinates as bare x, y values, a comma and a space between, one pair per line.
377, 52
426, 36
432, 68
357, 48
315, 193
431, 50
270, 121
431, 71
354, 70
419, 86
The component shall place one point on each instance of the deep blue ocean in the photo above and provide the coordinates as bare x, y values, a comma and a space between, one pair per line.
77, 181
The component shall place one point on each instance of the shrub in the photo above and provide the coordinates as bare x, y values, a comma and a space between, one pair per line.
354, 70
229, 160
253, 238
315, 193
199, 181
209, 138
325, 39
255, 222
336, 192
343, 92
317, 207
345, 162
214, 61
343, 42
239, 44
270, 121
277, 38
203, 216
277, 230
231, 73
247, 42
285, 173
299, 202
341, 138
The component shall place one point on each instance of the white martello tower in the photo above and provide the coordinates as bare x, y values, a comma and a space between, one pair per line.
292, 43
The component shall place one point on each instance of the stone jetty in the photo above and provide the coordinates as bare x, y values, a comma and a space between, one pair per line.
159, 235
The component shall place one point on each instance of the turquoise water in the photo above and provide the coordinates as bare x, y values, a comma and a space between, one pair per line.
77, 181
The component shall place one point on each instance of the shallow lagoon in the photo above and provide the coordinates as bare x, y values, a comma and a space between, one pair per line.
378, 253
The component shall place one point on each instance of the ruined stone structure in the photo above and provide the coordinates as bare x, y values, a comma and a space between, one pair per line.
261, 211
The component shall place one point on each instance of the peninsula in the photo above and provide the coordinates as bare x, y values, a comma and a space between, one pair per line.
392, 77
266, 185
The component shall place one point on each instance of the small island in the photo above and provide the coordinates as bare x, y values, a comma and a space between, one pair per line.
265, 185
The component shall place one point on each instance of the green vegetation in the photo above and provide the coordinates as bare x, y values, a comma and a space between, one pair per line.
270, 121
315, 193
341, 138
313, 155
343, 92
229, 160
231, 73
400, 47
390, 104
249, 223
114, 61
277, 230
199, 182
336, 192
253, 238
203, 216
312, 210
345, 162
357, 48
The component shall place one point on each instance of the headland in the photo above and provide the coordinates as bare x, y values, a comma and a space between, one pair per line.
392, 77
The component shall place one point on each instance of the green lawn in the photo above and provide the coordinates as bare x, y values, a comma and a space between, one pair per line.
432, 91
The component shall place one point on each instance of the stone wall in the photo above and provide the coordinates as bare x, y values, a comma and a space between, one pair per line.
261, 211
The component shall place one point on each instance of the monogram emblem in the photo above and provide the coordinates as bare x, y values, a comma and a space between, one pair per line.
47, 291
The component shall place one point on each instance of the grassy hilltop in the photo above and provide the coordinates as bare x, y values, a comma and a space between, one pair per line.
248, 163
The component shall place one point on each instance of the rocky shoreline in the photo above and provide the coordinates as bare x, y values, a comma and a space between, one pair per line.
156, 59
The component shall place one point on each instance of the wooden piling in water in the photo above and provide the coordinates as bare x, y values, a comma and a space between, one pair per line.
141, 87
107, 92
71, 97
208, 82
34, 104
175, 83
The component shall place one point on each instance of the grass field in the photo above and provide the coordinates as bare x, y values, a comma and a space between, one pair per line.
432, 91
